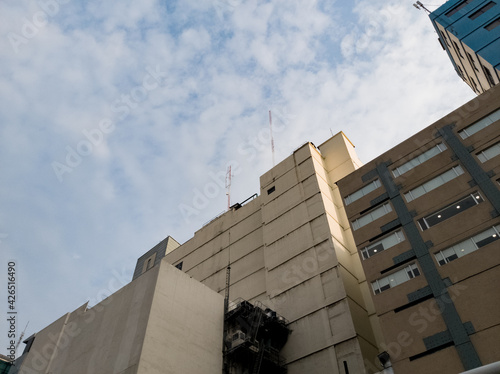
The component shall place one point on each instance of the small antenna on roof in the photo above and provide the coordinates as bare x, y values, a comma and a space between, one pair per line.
272, 139
228, 187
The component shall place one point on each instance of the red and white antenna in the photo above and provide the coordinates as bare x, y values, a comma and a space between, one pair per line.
271, 129
228, 187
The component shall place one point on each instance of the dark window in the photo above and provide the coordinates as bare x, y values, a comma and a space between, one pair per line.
450, 211
179, 265
487, 72
486, 241
346, 368
457, 48
271, 190
457, 8
472, 62
493, 24
483, 10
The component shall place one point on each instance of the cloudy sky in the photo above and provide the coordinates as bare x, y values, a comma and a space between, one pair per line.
116, 116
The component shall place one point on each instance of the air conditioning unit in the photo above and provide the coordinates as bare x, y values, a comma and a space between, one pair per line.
238, 338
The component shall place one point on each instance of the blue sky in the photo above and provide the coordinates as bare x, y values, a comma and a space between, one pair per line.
116, 117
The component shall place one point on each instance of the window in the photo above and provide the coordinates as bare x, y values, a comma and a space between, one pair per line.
489, 77
371, 216
457, 48
179, 265
489, 153
493, 24
457, 8
271, 190
381, 245
450, 211
433, 183
395, 279
445, 38
418, 160
479, 125
482, 10
472, 62
362, 192
473, 84
467, 246
460, 72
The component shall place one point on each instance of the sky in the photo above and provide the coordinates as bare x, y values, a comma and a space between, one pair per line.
118, 120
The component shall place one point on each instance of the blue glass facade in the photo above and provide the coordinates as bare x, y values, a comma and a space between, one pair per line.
469, 31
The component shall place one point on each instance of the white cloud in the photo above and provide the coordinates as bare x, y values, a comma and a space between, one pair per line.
376, 72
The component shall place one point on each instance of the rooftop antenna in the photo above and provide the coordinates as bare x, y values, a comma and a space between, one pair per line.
228, 187
21, 336
421, 6
272, 139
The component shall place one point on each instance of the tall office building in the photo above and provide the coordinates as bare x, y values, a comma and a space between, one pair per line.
290, 249
469, 31
297, 300
426, 220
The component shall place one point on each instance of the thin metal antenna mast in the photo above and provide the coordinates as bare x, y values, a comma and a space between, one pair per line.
272, 139
21, 336
228, 187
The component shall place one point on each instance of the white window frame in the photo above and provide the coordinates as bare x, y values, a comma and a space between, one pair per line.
459, 248
433, 183
372, 186
398, 235
420, 159
395, 279
489, 153
371, 216
479, 125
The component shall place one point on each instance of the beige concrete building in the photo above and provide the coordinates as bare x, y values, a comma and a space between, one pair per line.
162, 322
426, 220
291, 249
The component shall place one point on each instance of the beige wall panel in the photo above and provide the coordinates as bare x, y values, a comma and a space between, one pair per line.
322, 362
268, 178
248, 288
341, 324
351, 285
361, 321
350, 352
295, 271
288, 246
186, 321
309, 334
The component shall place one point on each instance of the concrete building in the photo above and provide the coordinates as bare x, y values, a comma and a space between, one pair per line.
469, 31
156, 324
426, 221
291, 250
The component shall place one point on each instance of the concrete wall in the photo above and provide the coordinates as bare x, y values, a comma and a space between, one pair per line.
155, 324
